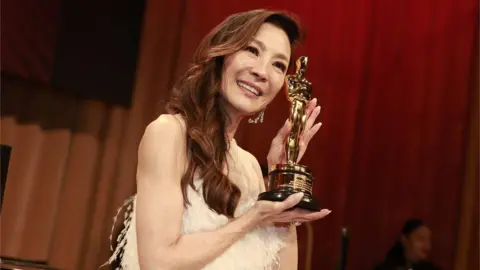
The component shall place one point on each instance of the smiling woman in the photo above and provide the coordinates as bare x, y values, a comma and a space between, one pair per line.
195, 186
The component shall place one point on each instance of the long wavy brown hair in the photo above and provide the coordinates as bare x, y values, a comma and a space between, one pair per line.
196, 98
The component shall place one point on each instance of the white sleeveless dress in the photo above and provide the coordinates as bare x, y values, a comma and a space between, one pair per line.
257, 250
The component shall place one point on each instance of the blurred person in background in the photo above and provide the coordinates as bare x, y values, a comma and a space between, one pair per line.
411, 250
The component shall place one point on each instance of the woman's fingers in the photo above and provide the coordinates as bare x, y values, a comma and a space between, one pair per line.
313, 215
282, 132
310, 133
312, 118
301, 215
305, 139
311, 106
291, 201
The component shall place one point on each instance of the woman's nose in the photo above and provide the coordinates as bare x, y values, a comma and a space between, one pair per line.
260, 71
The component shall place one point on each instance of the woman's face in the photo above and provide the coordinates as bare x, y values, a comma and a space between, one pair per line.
417, 244
253, 76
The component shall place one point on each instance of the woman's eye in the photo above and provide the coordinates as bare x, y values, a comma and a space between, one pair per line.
281, 66
252, 50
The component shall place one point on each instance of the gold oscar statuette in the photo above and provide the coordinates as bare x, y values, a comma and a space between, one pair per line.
291, 177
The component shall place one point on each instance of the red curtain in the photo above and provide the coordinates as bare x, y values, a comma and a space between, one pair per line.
393, 79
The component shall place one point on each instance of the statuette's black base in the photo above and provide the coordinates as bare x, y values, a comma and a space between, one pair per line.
308, 202
286, 180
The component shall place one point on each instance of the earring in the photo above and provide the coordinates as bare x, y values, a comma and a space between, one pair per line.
259, 118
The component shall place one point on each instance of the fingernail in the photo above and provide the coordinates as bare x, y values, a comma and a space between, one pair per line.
299, 194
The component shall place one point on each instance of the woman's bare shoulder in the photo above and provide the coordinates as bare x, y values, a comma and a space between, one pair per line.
167, 123
166, 134
162, 150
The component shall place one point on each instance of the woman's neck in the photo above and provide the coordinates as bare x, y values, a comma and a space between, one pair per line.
232, 119
232, 126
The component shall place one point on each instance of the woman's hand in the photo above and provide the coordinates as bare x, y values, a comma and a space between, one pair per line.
276, 155
267, 212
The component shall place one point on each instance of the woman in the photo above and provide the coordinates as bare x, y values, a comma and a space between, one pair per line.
410, 252
196, 204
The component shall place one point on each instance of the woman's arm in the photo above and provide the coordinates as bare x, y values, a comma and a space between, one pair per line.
159, 206
289, 254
